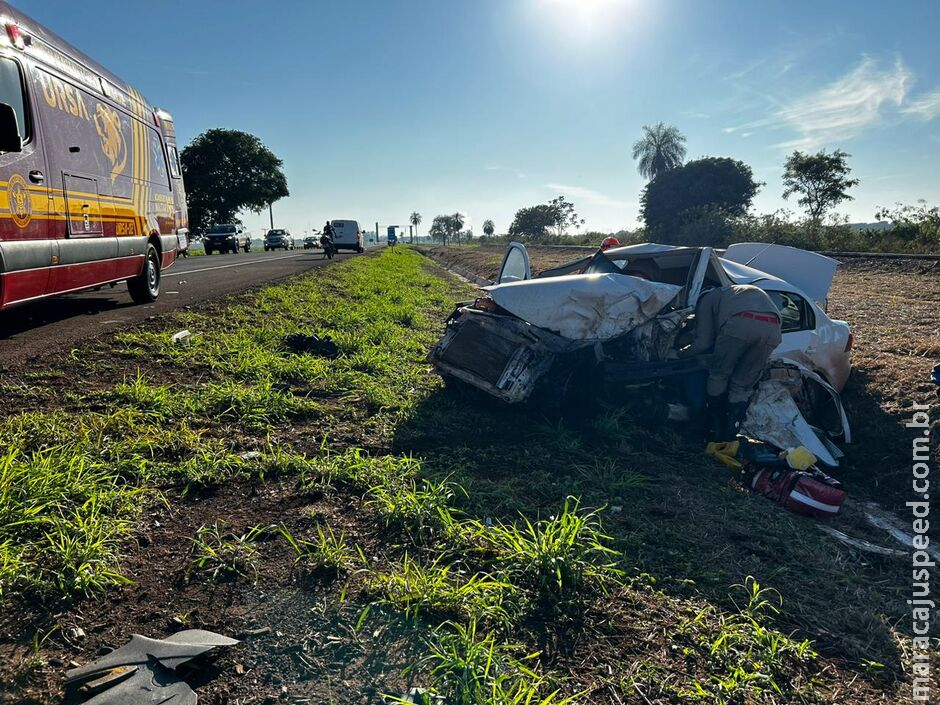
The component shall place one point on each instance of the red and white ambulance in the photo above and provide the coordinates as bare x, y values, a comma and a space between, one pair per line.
91, 191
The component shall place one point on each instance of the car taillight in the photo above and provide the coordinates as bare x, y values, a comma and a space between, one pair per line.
850, 342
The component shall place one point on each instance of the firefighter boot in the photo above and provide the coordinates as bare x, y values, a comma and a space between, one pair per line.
736, 414
716, 418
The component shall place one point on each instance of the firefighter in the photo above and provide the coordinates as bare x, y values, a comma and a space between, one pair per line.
740, 326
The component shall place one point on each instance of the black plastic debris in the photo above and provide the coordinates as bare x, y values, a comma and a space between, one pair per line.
302, 344
144, 670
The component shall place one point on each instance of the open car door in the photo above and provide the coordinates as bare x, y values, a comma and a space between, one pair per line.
706, 272
515, 267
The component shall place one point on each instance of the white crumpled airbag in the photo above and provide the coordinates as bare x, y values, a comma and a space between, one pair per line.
585, 306
773, 417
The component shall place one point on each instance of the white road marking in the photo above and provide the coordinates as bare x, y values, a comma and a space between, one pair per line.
226, 266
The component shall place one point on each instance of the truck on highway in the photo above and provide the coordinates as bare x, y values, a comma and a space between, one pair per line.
347, 235
91, 191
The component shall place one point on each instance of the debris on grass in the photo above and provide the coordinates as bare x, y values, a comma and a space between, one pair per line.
301, 343
144, 669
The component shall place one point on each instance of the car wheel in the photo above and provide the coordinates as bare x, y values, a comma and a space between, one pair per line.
145, 289
208, 250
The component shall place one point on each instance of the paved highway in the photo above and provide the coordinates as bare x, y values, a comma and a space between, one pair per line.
34, 331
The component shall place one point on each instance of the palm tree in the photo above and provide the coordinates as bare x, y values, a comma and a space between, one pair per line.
415, 220
457, 222
661, 148
488, 228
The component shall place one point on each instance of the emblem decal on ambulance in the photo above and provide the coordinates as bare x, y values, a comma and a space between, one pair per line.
21, 208
108, 125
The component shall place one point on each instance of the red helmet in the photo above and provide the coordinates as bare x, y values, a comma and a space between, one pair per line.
609, 242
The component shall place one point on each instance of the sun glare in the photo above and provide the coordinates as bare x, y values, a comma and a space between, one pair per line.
583, 20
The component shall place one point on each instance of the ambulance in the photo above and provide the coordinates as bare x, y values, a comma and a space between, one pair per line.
91, 191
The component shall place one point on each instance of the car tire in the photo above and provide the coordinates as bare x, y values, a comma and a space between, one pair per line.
208, 250
145, 288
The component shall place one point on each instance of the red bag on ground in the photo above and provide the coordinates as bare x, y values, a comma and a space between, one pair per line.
812, 495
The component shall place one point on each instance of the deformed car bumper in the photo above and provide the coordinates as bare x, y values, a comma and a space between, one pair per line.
504, 356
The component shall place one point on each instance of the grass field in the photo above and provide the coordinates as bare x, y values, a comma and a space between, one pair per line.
365, 530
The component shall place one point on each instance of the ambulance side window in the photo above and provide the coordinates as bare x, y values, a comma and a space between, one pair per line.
11, 93
158, 170
174, 162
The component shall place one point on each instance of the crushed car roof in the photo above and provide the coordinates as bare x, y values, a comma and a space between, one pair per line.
585, 306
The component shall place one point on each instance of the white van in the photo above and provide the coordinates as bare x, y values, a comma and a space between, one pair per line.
347, 235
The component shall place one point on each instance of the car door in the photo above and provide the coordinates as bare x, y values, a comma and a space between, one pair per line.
27, 249
706, 271
515, 266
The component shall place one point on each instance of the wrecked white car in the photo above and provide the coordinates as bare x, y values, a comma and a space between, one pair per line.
611, 320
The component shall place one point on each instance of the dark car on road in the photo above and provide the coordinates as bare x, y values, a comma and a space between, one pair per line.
227, 238
311, 242
278, 240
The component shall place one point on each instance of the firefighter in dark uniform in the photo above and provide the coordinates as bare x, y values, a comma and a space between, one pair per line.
740, 326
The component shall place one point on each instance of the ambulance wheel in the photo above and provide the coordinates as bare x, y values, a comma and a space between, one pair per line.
146, 288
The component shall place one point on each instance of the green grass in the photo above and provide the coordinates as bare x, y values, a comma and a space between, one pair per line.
442, 591
420, 509
561, 561
746, 660
73, 482
326, 555
501, 532
224, 554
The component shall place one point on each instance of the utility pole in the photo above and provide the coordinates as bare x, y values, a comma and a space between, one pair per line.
271, 213
376, 232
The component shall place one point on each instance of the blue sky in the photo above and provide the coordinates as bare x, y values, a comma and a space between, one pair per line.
382, 107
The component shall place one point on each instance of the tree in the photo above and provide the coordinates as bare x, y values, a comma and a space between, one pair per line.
226, 172
538, 223
532, 223
707, 191
661, 148
821, 179
440, 228
456, 224
565, 217
488, 228
415, 220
